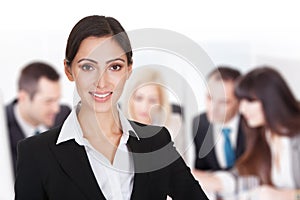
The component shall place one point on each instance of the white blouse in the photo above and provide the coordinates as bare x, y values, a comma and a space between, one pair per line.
115, 180
282, 171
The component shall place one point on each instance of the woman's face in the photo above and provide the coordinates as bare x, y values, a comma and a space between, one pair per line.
100, 70
253, 112
143, 101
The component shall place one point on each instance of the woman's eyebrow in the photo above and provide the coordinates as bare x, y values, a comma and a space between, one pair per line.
93, 61
115, 59
87, 59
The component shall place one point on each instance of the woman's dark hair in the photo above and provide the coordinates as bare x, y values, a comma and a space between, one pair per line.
97, 26
281, 109
282, 115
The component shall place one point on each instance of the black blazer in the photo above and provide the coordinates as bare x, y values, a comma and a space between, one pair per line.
207, 159
60, 172
15, 132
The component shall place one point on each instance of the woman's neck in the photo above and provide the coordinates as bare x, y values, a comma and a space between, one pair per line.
102, 130
100, 124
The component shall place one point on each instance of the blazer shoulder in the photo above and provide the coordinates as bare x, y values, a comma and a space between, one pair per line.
60, 117
157, 136
9, 111
200, 118
200, 123
42, 139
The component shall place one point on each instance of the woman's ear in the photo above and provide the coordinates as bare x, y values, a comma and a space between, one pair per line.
68, 71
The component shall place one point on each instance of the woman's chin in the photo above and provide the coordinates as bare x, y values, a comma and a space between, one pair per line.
254, 125
104, 108
144, 121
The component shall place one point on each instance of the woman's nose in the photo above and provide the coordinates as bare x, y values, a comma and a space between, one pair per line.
102, 80
145, 106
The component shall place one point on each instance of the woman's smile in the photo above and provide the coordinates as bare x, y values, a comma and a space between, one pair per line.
101, 96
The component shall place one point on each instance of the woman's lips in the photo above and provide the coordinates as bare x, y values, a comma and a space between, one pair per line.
101, 96
144, 114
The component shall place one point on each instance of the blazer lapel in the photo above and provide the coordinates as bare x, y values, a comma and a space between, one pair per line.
141, 179
74, 162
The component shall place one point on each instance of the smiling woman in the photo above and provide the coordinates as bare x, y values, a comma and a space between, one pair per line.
103, 75
97, 153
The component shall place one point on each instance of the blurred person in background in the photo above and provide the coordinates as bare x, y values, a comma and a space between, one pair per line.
37, 107
218, 135
271, 121
146, 101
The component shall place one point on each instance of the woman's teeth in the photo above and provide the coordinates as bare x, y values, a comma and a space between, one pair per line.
102, 95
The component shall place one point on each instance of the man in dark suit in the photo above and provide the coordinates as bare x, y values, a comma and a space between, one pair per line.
37, 107
218, 136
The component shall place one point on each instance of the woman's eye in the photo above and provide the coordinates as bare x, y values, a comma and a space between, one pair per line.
138, 98
87, 67
115, 67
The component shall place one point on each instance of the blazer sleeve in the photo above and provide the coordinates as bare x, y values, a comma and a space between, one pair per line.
182, 183
28, 184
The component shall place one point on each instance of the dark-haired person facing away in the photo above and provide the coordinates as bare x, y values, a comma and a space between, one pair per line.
36, 108
97, 153
215, 150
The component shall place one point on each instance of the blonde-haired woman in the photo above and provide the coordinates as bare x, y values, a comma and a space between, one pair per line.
146, 101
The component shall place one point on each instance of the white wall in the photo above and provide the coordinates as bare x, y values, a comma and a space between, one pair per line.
230, 31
